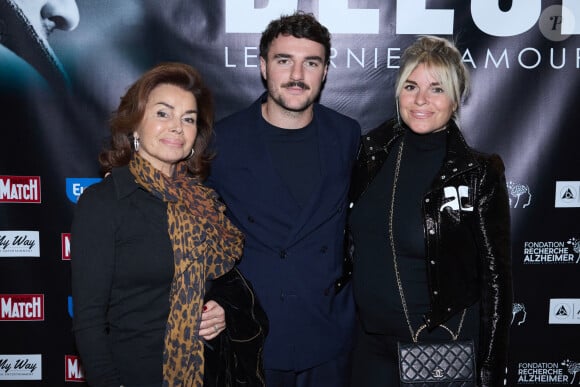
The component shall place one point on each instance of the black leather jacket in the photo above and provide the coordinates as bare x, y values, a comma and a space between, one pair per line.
234, 358
467, 235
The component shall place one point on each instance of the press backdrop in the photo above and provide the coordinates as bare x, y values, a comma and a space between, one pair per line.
524, 57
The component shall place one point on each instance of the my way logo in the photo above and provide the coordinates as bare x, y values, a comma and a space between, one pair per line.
552, 252
564, 311
567, 194
76, 186
20, 367
458, 199
21, 307
19, 244
19, 189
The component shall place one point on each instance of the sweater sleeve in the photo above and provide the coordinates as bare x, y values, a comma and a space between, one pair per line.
92, 265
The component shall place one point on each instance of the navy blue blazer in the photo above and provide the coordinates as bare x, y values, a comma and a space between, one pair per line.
292, 256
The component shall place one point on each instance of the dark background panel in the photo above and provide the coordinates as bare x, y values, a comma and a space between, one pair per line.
527, 115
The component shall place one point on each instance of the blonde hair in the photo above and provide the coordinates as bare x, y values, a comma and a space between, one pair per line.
441, 57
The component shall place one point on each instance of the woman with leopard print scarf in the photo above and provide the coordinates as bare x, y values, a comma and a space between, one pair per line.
147, 238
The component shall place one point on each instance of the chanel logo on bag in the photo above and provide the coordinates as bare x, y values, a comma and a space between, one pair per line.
438, 373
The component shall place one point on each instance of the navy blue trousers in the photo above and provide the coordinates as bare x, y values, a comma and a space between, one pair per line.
334, 373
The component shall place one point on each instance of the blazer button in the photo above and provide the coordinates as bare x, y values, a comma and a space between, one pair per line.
251, 219
283, 254
323, 249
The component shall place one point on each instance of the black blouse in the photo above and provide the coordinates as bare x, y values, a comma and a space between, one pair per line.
375, 285
122, 269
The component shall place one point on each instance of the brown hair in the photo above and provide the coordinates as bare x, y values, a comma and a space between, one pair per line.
300, 25
131, 110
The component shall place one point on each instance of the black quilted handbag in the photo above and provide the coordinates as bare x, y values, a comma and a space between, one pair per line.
449, 363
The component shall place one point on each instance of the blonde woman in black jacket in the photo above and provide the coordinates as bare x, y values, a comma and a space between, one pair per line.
430, 217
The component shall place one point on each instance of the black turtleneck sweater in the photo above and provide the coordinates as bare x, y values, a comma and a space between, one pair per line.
375, 285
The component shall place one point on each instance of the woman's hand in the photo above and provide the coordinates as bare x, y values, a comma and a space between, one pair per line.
213, 320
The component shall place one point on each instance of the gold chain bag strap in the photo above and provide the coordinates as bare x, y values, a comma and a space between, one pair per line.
449, 363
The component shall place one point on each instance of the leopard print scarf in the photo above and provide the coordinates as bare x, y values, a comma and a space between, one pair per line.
205, 246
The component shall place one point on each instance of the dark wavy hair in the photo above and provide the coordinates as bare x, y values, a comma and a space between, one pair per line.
131, 110
299, 25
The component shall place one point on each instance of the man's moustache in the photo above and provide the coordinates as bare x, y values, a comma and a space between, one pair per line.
299, 84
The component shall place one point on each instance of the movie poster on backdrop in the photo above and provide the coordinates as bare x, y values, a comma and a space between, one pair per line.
65, 64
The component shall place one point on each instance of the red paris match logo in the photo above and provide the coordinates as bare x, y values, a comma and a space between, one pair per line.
65, 246
21, 307
73, 369
19, 189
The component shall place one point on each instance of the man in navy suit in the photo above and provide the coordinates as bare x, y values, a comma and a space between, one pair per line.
282, 167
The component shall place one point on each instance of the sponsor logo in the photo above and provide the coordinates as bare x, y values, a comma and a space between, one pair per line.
564, 311
549, 373
73, 369
552, 252
20, 367
519, 311
519, 195
567, 194
76, 186
412, 17
21, 307
65, 246
19, 244
573, 368
19, 189
459, 197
